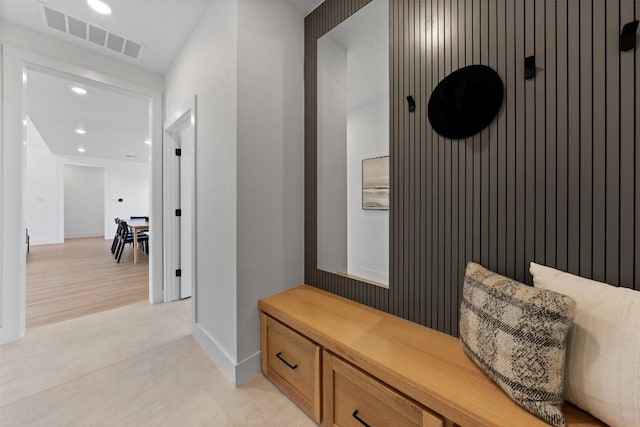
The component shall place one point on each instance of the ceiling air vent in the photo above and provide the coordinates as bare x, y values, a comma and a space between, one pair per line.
97, 35
89, 32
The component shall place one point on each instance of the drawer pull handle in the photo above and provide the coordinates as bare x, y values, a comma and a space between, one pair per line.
279, 356
360, 420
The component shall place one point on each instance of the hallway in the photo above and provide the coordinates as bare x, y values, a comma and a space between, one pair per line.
132, 366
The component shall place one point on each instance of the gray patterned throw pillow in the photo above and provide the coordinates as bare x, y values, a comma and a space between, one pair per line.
517, 335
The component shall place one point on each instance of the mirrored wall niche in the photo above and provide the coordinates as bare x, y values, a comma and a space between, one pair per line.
353, 191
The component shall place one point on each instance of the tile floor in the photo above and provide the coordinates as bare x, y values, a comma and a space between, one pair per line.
133, 366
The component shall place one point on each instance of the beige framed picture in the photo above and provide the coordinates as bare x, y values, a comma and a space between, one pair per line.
375, 183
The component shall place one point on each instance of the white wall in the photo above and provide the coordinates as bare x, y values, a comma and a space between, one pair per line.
20, 48
83, 201
128, 181
244, 63
270, 161
45, 192
368, 137
368, 230
43, 198
207, 67
332, 193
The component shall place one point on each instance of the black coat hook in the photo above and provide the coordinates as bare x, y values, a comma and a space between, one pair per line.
529, 67
412, 104
628, 36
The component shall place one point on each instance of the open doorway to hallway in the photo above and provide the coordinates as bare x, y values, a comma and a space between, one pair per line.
87, 163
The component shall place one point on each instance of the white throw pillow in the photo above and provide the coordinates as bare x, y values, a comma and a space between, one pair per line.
603, 352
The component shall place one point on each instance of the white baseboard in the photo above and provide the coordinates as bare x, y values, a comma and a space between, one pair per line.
40, 242
215, 352
248, 368
81, 235
7, 336
236, 373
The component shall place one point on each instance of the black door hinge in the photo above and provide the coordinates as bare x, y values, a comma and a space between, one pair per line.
178, 212
178, 152
179, 272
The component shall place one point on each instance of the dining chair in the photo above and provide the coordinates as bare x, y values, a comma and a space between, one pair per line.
126, 236
115, 238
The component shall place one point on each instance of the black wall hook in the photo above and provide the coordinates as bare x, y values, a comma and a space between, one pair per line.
628, 36
412, 104
529, 67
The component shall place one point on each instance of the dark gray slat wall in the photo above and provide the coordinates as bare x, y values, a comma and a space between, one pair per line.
636, 107
627, 161
555, 179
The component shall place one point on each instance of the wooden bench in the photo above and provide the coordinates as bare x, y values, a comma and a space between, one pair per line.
320, 349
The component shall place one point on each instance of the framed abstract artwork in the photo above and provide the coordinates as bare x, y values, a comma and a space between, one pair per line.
375, 183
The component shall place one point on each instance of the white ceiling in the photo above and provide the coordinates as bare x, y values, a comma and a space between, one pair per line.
162, 26
116, 122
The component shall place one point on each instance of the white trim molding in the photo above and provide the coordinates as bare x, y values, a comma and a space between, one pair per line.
15, 61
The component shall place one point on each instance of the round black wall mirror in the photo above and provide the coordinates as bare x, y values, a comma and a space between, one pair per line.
465, 101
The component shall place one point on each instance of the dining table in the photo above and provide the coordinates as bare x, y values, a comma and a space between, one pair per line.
136, 226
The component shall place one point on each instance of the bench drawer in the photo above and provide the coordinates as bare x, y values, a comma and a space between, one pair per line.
292, 362
354, 399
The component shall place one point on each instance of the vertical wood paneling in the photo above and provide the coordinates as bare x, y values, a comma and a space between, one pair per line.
477, 140
448, 178
612, 151
493, 143
636, 107
501, 151
485, 136
541, 119
554, 179
438, 165
599, 65
551, 165
562, 133
524, 247
469, 147
510, 147
574, 136
586, 138
432, 30
421, 92
627, 160
533, 201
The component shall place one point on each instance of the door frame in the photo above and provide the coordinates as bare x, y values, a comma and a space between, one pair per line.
15, 62
177, 121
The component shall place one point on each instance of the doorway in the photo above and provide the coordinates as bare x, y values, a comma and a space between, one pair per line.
15, 65
180, 203
87, 158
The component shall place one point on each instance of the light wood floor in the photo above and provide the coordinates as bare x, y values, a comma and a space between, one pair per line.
81, 277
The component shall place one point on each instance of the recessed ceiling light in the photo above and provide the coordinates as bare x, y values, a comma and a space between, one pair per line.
78, 90
24, 77
99, 6
81, 150
24, 122
147, 141
81, 131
